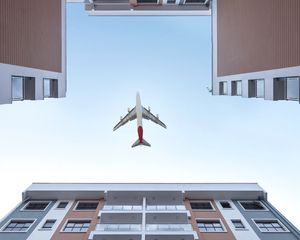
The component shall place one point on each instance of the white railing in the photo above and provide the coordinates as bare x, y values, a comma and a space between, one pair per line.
119, 227
166, 208
169, 227
122, 208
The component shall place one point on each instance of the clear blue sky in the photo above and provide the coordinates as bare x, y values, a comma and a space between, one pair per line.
167, 59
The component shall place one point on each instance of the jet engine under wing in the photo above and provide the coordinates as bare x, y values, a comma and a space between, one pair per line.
149, 116
129, 117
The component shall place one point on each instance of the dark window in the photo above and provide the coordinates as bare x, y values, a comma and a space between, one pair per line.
18, 226
36, 206
62, 205
195, 1
171, 1
23, 88
223, 88
147, 1
87, 206
236, 88
270, 226
50, 88
77, 226
238, 224
210, 226
225, 205
256, 88
48, 224
201, 206
252, 205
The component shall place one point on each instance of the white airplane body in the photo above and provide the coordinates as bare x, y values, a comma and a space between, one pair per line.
138, 113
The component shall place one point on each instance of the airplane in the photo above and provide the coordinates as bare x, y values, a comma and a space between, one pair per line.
139, 112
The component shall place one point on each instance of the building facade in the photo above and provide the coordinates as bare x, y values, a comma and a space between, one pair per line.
32, 50
145, 212
256, 49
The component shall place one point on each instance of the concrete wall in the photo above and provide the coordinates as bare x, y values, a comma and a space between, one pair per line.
18, 214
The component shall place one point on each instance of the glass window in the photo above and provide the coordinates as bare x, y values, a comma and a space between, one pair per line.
270, 226
18, 226
223, 88
62, 205
252, 205
87, 206
210, 225
17, 88
225, 205
201, 206
292, 87
47, 92
171, 1
260, 88
36, 206
50, 88
238, 224
239, 88
77, 226
49, 224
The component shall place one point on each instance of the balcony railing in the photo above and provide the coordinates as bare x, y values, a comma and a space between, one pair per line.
169, 227
119, 227
122, 208
166, 208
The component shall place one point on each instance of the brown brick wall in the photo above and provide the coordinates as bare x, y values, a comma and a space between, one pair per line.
30, 33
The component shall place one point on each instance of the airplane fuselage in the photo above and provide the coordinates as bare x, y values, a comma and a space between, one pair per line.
139, 117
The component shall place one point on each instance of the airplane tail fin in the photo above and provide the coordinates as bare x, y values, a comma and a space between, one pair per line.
143, 143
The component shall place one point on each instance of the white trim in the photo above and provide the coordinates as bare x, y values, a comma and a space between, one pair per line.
270, 219
74, 219
28, 210
17, 219
254, 210
212, 219
85, 210
202, 210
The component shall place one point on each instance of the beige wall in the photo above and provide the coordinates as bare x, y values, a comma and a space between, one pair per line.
213, 214
257, 35
31, 33
93, 215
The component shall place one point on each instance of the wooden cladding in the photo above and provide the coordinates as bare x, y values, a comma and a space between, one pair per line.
31, 33
257, 35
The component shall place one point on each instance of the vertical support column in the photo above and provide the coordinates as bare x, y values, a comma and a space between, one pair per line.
144, 218
214, 18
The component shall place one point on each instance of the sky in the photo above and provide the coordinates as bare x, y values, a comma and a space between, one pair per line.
168, 60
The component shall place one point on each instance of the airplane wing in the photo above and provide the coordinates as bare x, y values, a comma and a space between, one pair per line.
129, 117
149, 116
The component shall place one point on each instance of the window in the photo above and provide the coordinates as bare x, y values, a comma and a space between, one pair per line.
210, 225
50, 88
292, 89
236, 88
171, 1
87, 206
36, 206
223, 88
77, 226
272, 225
194, 1
62, 205
23, 88
225, 205
17, 225
256, 88
287, 88
147, 1
49, 224
238, 224
253, 205
201, 206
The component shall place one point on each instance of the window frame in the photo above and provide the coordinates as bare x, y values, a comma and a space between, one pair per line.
253, 210
48, 229
286, 230
221, 88
85, 210
75, 219
211, 219
62, 202
23, 209
238, 229
230, 204
203, 210
18, 219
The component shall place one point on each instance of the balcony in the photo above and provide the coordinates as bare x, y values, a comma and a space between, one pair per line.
119, 227
122, 208
169, 227
166, 208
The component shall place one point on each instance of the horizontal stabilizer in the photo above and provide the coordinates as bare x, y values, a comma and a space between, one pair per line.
143, 143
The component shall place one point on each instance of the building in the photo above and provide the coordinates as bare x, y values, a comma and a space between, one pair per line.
32, 50
256, 44
195, 211
256, 49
